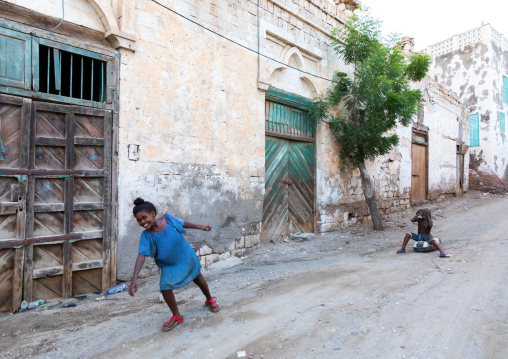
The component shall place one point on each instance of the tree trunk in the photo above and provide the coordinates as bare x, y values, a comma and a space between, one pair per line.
369, 191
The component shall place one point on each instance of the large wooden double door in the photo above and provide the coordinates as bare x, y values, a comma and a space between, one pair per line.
289, 188
290, 162
55, 195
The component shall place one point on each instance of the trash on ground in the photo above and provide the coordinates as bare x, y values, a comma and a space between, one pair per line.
70, 305
241, 354
100, 298
80, 297
33, 304
117, 289
300, 237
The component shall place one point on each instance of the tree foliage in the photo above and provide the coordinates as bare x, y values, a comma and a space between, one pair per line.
362, 107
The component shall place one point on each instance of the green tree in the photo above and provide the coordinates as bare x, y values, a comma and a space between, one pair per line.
364, 107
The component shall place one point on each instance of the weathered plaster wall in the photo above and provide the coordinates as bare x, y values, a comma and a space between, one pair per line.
472, 65
448, 127
190, 101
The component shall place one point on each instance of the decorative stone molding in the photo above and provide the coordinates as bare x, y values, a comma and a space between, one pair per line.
350, 4
121, 40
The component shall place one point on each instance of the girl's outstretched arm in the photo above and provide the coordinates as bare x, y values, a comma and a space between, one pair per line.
204, 227
137, 268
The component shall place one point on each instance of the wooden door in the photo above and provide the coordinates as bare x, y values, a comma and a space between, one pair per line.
55, 191
68, 222
418, 172
289, 188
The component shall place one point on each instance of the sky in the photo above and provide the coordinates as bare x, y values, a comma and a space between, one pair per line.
432, 21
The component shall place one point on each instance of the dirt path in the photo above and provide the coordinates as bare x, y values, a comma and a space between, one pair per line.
342, 295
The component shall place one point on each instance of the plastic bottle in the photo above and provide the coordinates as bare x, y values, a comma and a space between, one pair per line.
117, 289
36, 303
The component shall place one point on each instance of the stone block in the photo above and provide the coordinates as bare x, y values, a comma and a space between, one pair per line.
346, 216
225, 255
248, 241
344, 225
238, 252
232, 245
211, 258
205, 250
202, 260
354, 220
240, 243
256, 239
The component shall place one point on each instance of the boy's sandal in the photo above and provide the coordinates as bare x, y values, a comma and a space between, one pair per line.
168, 326
400, 251
442, 254
212, 305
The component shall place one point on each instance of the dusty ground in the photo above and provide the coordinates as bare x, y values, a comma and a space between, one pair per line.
342, 295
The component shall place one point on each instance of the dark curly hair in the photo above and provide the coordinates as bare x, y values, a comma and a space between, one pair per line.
141, 205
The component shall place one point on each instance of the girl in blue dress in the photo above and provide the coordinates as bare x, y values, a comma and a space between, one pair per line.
162, 239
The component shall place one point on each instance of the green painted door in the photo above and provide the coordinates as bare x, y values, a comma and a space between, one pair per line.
289, 188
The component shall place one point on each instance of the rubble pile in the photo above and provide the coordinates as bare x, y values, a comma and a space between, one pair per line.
486, 181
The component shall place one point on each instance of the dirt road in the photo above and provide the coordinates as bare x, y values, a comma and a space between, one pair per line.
342, 295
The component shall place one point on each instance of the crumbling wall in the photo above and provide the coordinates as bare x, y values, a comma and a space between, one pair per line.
472, 65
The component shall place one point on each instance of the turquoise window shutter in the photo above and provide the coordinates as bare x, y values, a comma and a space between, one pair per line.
505, 89
502, 121
474, 130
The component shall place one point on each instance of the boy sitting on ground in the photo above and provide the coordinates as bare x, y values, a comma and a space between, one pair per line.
424, 226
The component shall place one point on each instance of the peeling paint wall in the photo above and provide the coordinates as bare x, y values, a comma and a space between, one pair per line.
448, 136
472, 65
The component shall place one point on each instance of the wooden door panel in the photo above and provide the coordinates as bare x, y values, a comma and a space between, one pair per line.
275, 207
47, 275
88, 221
89, 126
47, 287
87, 250
89, 189
86, 281
7, 256
418, 172
301, 166
49, 190
11, 131
89, 157
50, 124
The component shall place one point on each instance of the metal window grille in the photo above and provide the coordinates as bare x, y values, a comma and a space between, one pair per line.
72, 75
474, 130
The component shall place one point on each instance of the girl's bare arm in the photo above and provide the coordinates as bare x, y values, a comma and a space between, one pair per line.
203, 227
137, 268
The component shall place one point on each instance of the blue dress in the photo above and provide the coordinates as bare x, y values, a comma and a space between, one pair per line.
175, 257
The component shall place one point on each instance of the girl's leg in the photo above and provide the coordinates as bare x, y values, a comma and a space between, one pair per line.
169, 297
203, 285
